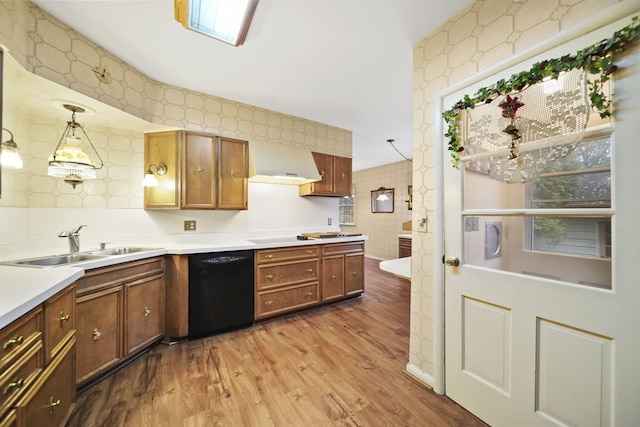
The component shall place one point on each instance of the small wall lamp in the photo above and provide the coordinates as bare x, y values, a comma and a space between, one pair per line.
9, 155
149, 179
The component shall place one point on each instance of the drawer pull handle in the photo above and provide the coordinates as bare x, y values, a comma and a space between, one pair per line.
343, 175
268, 302
355, 273
15, 340
62, 317
309, 293
309, 270
231, 173
269, 276
268, 256
53, 404
146, 312
16, 383
309, 252
96, 334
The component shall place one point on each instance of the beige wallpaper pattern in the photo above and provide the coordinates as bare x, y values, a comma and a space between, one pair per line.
50, 49
484, 33
382, 229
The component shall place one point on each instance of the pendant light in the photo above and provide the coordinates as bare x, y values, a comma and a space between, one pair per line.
9, 155
68, 160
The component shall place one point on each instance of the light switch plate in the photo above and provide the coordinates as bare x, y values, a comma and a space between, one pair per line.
471, 223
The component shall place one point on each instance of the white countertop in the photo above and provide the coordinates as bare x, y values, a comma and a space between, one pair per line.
24, 288
399, 266
405, 236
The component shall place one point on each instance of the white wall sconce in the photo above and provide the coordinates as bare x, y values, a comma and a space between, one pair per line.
68, 160
149, 179
9, 155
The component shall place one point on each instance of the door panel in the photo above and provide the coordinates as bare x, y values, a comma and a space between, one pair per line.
536, 336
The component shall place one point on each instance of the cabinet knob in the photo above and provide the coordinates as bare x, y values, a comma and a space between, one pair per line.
146, 312
309, 293
322, 173
309, 270
53, 404
269, 276
268, 256
355, 273
62, 317
231, 173
16, 383
96, 334
15, 340
268, 302
343, 175
333, 277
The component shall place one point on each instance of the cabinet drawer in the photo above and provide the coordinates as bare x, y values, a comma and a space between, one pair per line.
275, 255
50, 401
19, 336
59, 321
342, 248
117, 274
269, 303
98, 332
273, 275
21, 375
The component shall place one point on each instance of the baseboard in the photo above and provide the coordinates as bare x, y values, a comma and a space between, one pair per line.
419, 376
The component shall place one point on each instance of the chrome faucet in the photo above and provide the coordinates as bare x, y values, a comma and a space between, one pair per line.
74, 238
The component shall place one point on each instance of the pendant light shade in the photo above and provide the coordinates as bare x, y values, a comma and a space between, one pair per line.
9, 156
69, 161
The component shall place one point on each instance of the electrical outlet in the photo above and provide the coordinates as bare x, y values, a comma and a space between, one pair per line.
190, 225
328, 221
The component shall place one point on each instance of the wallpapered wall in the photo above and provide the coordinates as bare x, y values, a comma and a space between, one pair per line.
483, 34
382, 229
50, 49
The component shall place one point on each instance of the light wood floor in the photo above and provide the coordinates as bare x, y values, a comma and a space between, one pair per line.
341, 365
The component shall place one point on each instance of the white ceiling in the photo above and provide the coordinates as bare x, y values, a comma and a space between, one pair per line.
346, 63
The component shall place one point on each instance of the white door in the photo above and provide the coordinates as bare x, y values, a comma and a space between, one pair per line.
542, 314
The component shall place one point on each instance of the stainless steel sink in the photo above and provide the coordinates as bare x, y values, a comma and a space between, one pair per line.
66, 259
124, 250
50, 261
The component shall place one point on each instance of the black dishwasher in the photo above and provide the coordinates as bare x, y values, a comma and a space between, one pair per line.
220, 292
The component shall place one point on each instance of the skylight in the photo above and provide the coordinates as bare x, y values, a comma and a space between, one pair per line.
225, 20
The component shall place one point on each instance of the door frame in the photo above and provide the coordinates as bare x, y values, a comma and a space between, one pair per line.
604, 17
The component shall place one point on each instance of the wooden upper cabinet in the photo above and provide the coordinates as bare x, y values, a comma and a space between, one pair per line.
198, 171
342, 176
162, 148
336, 177
203, 171
233, 172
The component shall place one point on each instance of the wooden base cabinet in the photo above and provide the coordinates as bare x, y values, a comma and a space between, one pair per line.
343, 270
120, 312
404, 247
294, 278
37, 365
286, 279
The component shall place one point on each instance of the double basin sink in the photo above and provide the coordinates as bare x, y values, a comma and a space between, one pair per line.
72, 258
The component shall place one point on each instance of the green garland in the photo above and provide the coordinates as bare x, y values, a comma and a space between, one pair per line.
595, 59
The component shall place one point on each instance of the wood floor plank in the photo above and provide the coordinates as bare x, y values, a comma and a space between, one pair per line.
339, 365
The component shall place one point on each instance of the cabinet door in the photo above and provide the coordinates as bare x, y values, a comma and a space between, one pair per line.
332, 277
161, 148
354, 274
144, 313
342, 176
324, 163
233, 171
59, 321
198, 171
51, 399
99, 341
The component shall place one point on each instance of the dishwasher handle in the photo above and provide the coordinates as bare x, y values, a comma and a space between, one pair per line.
223, 259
